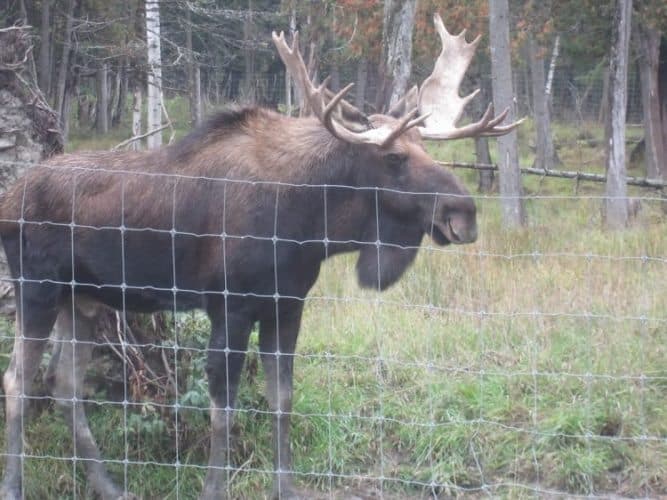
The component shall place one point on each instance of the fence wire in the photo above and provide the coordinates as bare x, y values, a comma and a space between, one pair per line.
521, 365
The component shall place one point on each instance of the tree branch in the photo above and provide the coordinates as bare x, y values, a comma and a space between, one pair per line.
139, 137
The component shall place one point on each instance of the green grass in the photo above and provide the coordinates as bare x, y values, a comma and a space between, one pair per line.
533, 360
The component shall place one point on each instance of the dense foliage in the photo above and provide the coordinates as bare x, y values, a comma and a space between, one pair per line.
231, 44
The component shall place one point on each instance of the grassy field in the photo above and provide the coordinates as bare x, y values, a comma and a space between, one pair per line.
532, 363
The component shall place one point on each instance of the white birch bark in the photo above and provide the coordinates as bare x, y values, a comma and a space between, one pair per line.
552, 68
154, 90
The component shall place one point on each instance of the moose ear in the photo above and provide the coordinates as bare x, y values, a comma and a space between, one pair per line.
405, 104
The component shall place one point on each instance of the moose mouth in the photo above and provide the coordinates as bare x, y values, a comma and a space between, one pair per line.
443, 233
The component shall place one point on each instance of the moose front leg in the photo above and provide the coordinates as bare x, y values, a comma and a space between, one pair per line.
277, 342
226, 354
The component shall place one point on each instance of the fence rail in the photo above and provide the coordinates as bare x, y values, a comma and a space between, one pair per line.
565, 174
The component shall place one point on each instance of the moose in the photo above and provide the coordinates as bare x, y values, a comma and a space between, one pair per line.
235, 219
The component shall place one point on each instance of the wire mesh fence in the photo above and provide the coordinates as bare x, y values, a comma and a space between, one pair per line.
528, 364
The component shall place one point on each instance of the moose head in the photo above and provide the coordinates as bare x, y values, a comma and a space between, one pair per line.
417, 195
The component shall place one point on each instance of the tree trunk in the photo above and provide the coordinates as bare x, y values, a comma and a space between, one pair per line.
334, 82
616, 203
362, 79
115, 96
197, 95
154, 90
194, 75
552, 70
288, 78
288, 94
398, 25
32, 67
511, 189
311, 69
136, 117
662, 92
101, 113
334, 72
544, 153
249, 90
603, 112
482, 155
67, 106
649, 62
44, 71
122, 95
64, 63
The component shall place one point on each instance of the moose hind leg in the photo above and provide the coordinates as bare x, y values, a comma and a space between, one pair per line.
34, 321
74, 336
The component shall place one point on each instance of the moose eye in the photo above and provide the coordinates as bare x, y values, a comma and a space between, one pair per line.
395, 161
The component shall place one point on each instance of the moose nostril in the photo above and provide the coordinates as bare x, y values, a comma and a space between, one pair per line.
462, 232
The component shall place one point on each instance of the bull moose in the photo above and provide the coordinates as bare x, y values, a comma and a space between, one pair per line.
234, 219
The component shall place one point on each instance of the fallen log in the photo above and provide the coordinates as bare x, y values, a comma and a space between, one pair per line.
565, 174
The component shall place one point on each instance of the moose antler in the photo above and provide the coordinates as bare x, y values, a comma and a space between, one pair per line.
439, 94
330, 109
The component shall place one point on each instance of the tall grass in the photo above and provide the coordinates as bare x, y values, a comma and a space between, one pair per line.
531, 363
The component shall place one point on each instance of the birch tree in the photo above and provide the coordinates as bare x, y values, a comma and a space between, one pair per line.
548, 87
509, 176
154, 90
616, 205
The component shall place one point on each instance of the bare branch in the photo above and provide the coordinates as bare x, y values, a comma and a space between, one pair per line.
129, 141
